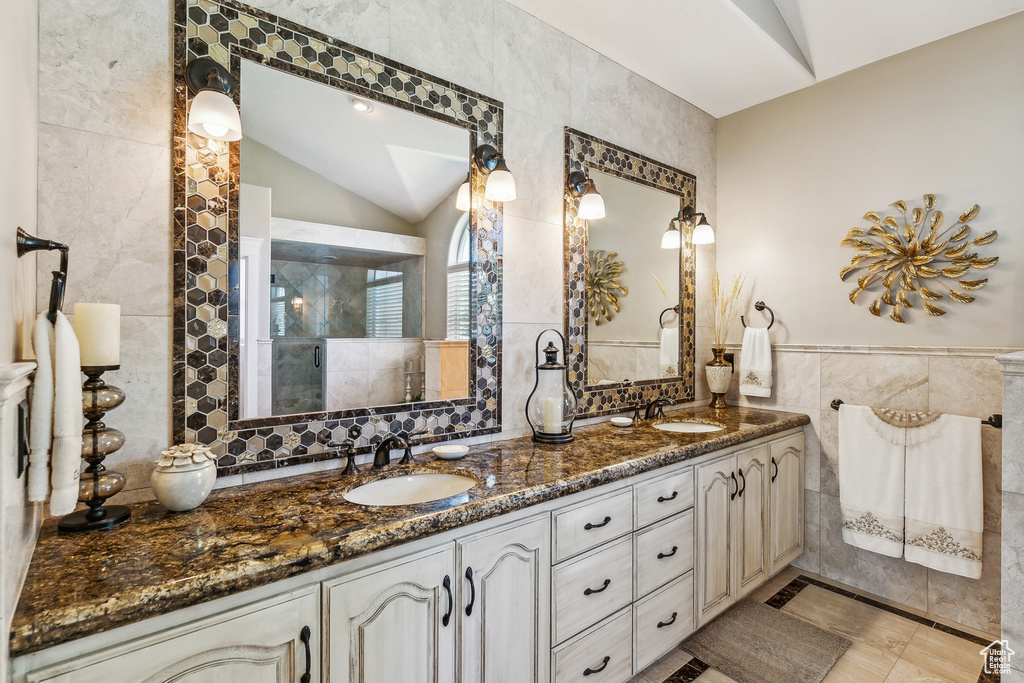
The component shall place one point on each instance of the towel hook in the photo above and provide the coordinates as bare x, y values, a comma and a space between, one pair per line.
661, 318
26, 244
995, 420
760, 306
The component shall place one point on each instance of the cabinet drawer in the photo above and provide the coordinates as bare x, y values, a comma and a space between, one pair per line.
663, 552
662, 620
604, 655
663, 497
589, 525
591, 587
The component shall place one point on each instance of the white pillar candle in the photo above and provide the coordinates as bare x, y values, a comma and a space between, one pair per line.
553, 415
98, 328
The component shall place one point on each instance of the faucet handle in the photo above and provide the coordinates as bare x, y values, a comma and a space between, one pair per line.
350, 454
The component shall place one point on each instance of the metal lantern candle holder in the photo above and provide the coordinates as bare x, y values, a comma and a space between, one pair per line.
551, 407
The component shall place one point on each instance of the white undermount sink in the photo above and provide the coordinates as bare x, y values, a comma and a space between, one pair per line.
409, 489
688, 427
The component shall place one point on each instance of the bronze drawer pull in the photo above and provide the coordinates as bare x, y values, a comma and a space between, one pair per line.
672, 620
662, 556
604, 665
588, 526
663, 499
591, 591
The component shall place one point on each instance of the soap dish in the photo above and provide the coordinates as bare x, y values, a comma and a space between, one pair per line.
621, 421
450, 451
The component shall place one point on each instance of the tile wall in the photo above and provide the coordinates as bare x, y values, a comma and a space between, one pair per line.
1013, 509
954, 380
105, 94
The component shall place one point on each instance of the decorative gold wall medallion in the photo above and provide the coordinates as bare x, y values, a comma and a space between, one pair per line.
900, 254
603, 283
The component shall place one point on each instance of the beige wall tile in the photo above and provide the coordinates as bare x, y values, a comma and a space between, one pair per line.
972, 602
1012, 574
531, 64
105, 68
876, 380
534, 150
532, 272
432, 36
364, 23
109, 200
655, 119
600, 96
965, 386
811, 559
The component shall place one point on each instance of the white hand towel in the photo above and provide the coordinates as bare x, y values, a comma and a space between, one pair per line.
67, 418
41, 413
871, 470
668, 351
945, 505
756, 363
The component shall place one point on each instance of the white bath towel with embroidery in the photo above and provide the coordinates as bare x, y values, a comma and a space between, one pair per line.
756, 363
41, 412
871, 470
945, 512
67, 419
668, 351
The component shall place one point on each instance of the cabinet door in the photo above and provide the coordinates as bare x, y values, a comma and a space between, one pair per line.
716, 488
786, 502
751, 519
257, 646
504, 608
394, 622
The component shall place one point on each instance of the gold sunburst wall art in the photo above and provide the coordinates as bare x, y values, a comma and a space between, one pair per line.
909, 258
603, 286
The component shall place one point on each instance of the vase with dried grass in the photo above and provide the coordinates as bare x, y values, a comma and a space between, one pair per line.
725, 307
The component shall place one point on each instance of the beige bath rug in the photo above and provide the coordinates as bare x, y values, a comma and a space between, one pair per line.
754, 643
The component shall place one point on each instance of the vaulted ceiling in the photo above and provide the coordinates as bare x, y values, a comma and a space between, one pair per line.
727, 55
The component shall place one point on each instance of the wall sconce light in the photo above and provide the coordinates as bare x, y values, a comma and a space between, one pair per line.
702, 232
501, 186
672, 238
551, 406
213, 113
297, 305
462, 200
591, 201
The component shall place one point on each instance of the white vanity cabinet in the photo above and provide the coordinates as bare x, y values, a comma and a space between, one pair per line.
272, 641
504, 608
786, 502
394, 622
749, 509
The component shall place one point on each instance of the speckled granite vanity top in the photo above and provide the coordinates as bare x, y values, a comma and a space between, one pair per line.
252, 535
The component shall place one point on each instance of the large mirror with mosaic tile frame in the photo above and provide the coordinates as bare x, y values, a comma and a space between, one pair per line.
660, 282
211, 269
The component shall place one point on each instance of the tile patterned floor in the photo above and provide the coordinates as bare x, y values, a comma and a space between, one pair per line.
889, 643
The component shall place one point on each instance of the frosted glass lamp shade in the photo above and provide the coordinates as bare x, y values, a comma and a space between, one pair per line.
671, 238
214, 115
462, 199
501, 186
703, 234
591, 206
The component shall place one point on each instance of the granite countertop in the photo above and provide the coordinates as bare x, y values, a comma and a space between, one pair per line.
252, 535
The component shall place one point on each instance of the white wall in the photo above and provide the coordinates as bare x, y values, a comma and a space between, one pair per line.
796, 173
18, 116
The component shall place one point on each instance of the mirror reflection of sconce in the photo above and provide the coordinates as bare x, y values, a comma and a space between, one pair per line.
501, 186
297, 305
702, 231
213, 113
462, 200
591, 201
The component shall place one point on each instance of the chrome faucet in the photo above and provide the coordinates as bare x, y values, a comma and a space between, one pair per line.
382, 454
658, 405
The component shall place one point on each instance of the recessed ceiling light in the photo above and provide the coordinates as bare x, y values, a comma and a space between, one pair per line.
361, 105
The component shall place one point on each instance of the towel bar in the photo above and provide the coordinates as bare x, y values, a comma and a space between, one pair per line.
26, 244
760, 306
661, 318
995, 420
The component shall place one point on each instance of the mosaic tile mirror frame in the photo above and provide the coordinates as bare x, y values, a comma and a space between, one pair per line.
584, 152
206, 173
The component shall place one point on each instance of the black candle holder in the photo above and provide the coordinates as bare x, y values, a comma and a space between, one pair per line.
97, 483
